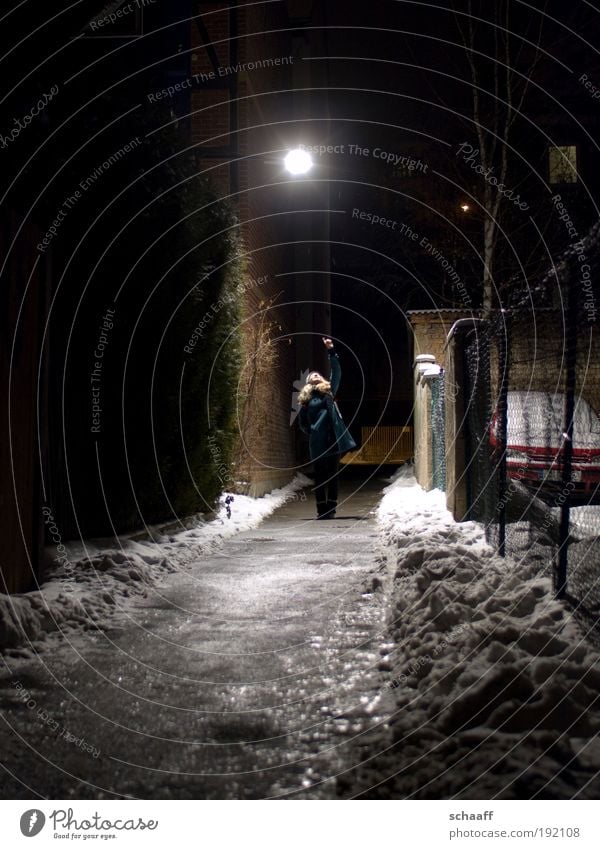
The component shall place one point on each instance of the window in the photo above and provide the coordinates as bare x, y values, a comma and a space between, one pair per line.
401, 172
562, 164
409, 165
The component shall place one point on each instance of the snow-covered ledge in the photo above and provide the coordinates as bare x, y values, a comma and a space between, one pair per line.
431, 373
422, 363
422, 421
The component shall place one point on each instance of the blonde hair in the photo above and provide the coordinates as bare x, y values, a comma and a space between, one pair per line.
306, 393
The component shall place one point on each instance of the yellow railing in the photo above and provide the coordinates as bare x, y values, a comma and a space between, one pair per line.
383, 444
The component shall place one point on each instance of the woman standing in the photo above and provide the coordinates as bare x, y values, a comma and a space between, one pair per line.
320, 419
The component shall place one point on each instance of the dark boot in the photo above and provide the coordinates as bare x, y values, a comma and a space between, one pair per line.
321, 509
330, 510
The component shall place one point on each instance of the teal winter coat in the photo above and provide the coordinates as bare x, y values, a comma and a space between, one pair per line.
320, 418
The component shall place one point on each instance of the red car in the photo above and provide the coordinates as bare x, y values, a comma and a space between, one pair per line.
535, 441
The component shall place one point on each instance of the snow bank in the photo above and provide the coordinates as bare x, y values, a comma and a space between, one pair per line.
83, 589
496, 693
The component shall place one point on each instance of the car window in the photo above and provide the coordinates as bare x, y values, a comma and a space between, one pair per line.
536, 419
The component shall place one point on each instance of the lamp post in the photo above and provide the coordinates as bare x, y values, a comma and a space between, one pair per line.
298, 162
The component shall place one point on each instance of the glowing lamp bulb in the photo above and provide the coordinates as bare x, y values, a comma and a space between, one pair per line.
465, 207
298, 161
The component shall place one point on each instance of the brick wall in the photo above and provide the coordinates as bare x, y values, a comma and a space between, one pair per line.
265, 453
430, 331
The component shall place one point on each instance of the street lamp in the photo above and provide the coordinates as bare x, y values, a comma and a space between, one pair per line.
298, 161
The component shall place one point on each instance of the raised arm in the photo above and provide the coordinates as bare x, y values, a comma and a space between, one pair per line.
336, 372
335, 375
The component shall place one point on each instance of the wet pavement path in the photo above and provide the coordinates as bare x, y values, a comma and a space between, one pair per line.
249, 676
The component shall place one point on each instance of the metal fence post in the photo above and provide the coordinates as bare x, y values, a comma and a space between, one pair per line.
567, 451
503, 337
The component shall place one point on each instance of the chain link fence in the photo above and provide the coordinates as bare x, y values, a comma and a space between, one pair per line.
481, 482
532, 443
438, 426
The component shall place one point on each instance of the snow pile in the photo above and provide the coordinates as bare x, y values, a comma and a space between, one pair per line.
585, 520
246, 513
85, 587
496, 694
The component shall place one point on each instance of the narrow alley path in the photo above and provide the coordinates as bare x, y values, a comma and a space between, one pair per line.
245, 677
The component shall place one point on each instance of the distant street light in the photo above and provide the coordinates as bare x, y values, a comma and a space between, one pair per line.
298, 161
465, 207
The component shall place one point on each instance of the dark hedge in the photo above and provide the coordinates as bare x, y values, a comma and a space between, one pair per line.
149, 239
